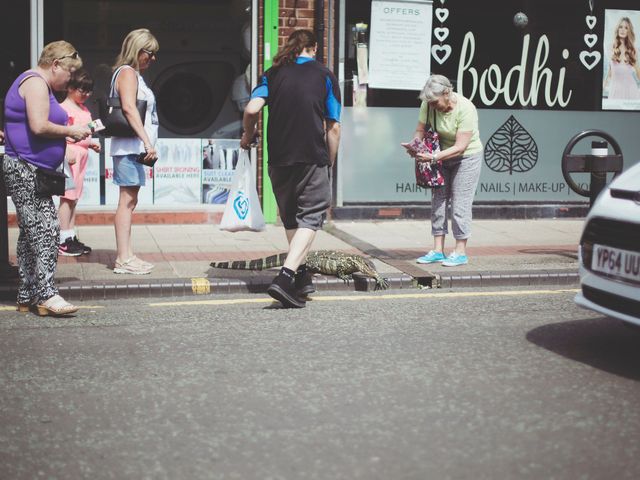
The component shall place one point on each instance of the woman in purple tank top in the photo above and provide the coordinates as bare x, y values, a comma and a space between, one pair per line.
35, 132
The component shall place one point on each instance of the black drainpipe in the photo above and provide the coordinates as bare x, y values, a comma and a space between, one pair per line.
319, 23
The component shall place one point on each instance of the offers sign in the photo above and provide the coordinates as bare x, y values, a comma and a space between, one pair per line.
400, 47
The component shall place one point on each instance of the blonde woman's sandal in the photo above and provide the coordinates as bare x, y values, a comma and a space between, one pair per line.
131, 267
139, 261
55, 306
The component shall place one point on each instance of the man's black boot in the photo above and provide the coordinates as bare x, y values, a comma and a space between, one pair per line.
304, 281
283, 289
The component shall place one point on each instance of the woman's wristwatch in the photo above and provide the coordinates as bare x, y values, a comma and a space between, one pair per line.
434, 158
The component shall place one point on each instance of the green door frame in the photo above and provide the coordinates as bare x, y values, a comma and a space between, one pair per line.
271, 8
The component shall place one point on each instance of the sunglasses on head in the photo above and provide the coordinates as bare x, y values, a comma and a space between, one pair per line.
151, 53
73, 55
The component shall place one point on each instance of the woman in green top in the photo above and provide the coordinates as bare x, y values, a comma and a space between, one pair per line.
455, 119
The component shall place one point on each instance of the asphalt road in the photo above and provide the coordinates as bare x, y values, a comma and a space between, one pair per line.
420, 385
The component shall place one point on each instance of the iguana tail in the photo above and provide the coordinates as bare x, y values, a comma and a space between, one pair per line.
255, 264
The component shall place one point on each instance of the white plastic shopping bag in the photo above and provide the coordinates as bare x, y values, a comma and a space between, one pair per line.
242, 211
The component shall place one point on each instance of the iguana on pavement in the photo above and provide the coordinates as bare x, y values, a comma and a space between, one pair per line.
328, 262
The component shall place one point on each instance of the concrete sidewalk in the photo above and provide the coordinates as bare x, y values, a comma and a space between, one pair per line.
502, 252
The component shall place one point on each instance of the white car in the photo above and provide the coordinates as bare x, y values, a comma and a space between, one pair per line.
609, 253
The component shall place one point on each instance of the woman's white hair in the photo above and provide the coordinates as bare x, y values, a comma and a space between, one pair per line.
436, 87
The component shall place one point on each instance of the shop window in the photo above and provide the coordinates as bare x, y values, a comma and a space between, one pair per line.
358, 14
14, 49
204, 49
201, 80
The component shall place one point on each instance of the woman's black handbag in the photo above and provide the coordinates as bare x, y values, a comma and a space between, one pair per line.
49, 182
116, 124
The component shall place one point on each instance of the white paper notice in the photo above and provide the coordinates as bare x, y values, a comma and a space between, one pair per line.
400, 49
91, 189
176, 176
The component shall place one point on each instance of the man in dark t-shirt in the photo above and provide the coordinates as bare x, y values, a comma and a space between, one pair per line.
303, 134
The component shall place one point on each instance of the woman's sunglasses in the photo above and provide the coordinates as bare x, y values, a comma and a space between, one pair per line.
73, 55
150, 53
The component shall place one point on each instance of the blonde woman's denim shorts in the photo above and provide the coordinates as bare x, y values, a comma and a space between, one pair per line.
127, 172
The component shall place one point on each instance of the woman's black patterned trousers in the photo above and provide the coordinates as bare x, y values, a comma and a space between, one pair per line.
37, 249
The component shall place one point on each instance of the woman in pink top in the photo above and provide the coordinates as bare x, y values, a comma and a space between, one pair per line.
624, 63
78, 91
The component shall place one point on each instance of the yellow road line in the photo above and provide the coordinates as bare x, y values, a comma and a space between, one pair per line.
234, 301
356, 298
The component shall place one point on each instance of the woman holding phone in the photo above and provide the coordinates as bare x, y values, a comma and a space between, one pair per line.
139, 50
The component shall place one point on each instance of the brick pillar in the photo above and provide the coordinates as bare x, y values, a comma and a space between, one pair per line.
302, 17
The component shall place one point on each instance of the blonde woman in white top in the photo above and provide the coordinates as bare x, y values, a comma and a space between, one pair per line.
139, 49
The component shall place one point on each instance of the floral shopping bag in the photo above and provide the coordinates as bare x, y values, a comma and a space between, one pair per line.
428, 175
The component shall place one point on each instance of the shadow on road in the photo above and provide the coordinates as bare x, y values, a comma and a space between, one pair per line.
603, 343
572, 254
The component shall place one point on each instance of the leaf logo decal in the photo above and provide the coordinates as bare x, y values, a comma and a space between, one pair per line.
511, 149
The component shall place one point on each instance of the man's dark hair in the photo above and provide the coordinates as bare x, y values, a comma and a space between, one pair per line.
80, 79
296, 43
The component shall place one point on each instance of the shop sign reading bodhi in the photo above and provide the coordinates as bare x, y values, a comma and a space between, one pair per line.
491, 84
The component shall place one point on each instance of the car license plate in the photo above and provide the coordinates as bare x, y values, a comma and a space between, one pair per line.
616, 262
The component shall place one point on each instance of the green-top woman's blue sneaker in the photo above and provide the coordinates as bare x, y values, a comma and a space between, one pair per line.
455, 259
431, 257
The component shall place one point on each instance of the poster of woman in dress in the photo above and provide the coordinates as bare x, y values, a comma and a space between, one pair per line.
621, 83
